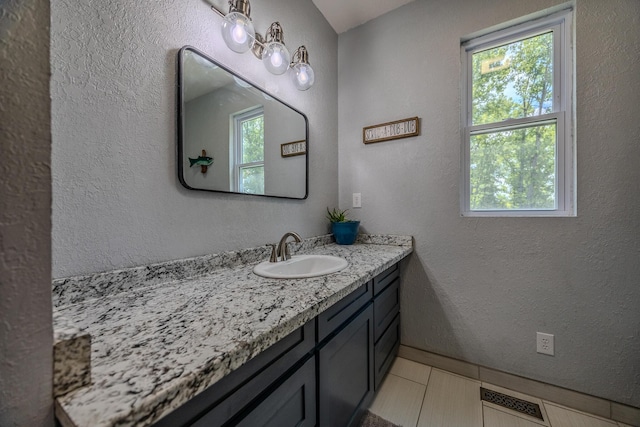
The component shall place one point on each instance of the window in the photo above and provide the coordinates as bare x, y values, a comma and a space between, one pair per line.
518, 151
248, 151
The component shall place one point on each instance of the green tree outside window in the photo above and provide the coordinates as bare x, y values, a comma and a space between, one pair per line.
513, 166
249, 152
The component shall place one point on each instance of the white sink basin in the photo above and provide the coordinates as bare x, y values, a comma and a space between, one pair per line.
301, 266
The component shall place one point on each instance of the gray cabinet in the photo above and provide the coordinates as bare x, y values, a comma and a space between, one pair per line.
323, 374
386, 314
291, 404
338, 314
345, 381
385, 350
229, 400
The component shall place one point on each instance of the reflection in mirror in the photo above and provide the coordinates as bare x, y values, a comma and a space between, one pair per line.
234, 137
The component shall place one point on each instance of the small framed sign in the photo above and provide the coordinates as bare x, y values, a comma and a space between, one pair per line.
393, 130
295, 148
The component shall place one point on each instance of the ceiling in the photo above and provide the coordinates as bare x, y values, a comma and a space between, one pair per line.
346, 14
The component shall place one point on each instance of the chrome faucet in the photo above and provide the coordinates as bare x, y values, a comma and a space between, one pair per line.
281, 252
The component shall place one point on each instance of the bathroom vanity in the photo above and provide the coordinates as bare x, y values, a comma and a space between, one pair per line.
343, 353
222, 346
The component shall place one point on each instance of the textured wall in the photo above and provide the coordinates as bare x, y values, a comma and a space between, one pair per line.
26, 335
478, 289
117, 201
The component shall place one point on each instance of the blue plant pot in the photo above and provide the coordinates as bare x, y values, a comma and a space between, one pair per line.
345, 233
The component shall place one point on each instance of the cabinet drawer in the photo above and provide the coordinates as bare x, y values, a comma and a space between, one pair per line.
290, 404
331, 319
385, 307
383, 279
386, 350
224, 399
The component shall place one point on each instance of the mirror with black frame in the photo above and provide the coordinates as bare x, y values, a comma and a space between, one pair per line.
234, 137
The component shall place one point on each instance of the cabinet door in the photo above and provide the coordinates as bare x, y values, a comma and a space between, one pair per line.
222, 401
386, 350
346, 372
291, 404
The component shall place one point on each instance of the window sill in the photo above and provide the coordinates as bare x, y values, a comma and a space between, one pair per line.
520, 214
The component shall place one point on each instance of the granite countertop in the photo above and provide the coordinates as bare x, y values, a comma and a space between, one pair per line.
161, 334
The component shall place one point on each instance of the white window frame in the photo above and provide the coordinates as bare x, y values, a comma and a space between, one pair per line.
236, 122
561, 23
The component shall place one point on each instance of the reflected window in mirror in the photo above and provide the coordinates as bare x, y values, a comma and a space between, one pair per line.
231, 133
248, 153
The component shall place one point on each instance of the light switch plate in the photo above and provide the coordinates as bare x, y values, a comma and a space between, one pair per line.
357, 200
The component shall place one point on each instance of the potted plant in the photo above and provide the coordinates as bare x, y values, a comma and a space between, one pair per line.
344, 230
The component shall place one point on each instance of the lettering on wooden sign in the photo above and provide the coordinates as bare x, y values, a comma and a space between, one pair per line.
393, 130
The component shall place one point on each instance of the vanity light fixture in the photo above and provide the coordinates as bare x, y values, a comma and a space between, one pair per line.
302, 74
240, 36
237, 29
274, 53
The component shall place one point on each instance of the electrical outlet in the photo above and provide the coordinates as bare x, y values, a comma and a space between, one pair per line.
544, 343
357, 200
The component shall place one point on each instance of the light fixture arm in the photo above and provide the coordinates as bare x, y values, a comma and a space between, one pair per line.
301, 55
274, 33
242, 6
215, 9
259, 46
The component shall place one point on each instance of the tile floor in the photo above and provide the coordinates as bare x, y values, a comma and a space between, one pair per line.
416, 395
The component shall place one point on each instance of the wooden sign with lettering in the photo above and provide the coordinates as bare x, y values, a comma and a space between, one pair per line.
296, 148
393, 130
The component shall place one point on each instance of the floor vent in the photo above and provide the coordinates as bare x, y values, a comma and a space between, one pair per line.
510, 402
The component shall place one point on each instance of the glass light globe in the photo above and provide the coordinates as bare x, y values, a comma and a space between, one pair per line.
238, 32
276, 58
302, 76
